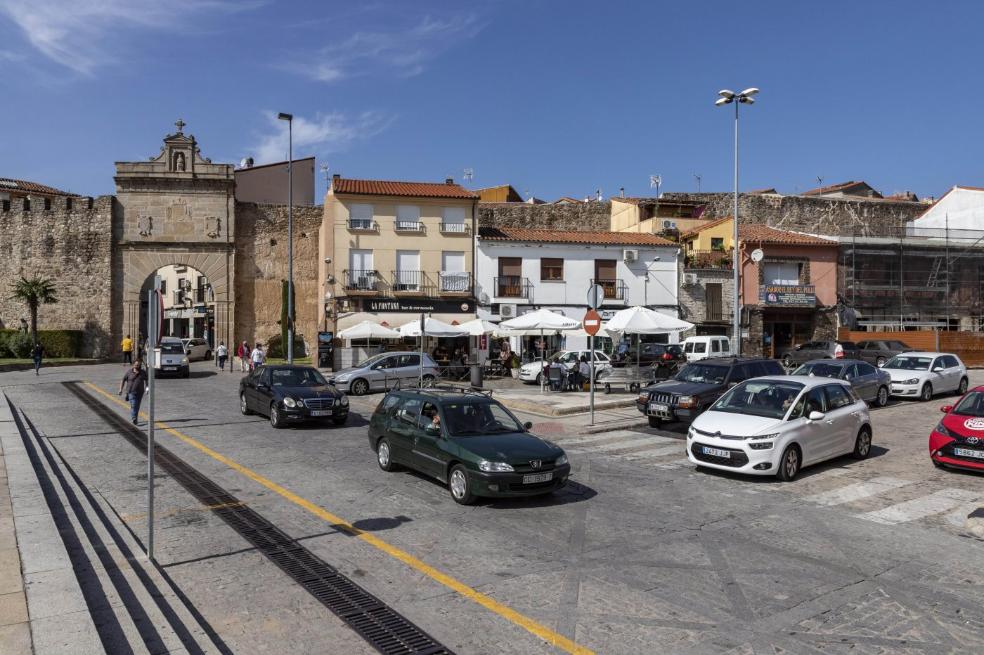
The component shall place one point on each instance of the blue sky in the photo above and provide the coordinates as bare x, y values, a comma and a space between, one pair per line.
557, 98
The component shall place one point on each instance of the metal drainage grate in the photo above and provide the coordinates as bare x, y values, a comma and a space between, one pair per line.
380, 625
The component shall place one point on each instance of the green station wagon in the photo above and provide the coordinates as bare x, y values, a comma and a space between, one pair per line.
468, 441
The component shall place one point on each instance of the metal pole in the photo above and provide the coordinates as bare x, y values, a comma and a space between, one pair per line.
543, 361
736, 319
153, 310
946, 236
901, 285
420, 382
290, 241
591, 344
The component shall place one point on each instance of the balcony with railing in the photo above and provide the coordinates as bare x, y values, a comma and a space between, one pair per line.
454, 227
408, 226
708, 259
454, 283
411, 283
361, 282
363, 225
615, 290
513, 286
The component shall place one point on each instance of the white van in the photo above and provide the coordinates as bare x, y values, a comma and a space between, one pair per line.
695, 348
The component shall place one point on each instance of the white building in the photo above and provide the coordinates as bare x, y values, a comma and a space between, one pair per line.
961, 210
518, 270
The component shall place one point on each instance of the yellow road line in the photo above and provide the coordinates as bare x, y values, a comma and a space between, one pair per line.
491, 604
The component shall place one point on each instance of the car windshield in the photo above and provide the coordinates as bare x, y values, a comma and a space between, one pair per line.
476, 419
172, 349
297, 377
971, 405
372, 360
766, 398
705, 373
909, 363
819, 369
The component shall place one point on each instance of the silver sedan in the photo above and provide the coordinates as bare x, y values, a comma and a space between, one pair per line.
872, 384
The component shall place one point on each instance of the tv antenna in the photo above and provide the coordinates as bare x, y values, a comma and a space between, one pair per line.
819, 185
469, 174
324, 171
697, 178
654, 182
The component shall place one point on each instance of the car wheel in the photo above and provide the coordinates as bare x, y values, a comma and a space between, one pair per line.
384, 456
340, 421
862, 445
359, 387
789, 464
276, 420
787, 361
208, 355
458, 486
634, 387
608, 388
243, 405
539, 379
880, 361
187, 374
962, 389
655, 422
938, 465
882, 398
926, 393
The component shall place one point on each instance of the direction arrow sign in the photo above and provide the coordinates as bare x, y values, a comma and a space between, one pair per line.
591, 322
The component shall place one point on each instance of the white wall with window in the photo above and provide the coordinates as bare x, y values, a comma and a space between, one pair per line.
453, 219
360, 217
407, 270
361, 274
453, 275
407, 217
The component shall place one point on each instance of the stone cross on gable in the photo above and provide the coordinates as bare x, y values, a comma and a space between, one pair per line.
180, 125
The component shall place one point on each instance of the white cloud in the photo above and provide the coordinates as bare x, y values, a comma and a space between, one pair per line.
403, 53
83, 35
323, 133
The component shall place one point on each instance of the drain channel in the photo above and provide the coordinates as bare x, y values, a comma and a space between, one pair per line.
380, 625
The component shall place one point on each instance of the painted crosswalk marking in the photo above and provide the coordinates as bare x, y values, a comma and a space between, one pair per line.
917, 508
857, 491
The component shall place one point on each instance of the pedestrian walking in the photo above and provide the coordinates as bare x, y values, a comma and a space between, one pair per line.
23, 326
222, 353
127, 346
135, 383
37, 353
243, 354
256, 357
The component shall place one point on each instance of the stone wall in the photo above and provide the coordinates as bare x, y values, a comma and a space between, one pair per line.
831, 216
693, 303
573, 216
72, 244
261, 265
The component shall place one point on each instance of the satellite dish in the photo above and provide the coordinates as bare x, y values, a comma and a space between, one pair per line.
242, 163
757, 255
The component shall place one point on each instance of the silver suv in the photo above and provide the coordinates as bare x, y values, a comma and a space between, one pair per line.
385, 371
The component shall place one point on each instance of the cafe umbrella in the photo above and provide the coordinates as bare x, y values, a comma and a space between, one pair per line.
642, 320
542, 320
427, 326
368, 330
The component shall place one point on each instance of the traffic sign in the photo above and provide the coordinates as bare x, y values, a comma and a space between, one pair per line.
596, 296
591, 322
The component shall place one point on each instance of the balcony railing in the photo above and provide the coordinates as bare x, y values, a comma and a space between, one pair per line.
513, 286
454, 228
409, 226
614, 289
363, 224
455, 282
409, 282
708, 259
361, 281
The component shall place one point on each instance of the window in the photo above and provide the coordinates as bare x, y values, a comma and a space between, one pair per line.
408, 360
389, 402
851, 372
812, 401
715, 346
717, 243
781, 273
163, 287
427, 415
453, 220
866, 369
713, 304
551, 269
407, 217
837, 397
453, 275
360, 217
950, 361
407, 270
740, 373
410, 411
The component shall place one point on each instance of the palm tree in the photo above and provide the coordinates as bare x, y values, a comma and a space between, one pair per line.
35, 292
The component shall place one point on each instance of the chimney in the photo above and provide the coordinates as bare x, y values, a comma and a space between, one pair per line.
336, 176
621, 192
449, 180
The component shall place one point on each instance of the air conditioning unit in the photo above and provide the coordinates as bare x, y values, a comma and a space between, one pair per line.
689, 279
630, 255
507, 311
669, 225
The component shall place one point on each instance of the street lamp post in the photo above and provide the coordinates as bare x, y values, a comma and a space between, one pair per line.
730, 97
290, 234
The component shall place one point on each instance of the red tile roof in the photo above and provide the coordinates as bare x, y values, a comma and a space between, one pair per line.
9, 184
757, 233
833, 188
564, 236
412, 189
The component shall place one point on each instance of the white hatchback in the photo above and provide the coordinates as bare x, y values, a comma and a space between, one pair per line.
924, 374
776, 426
530, 372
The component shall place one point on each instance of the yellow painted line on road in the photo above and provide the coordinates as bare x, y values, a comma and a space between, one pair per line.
454, 584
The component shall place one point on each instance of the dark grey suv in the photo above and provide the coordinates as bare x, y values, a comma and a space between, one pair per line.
879, 351
819, 350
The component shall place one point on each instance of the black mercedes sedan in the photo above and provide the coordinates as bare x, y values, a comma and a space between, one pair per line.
292, 394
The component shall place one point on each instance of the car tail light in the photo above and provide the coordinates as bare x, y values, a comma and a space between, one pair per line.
838, 352
667, 356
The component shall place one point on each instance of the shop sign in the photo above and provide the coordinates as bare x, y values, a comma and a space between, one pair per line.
781, 295
418, 305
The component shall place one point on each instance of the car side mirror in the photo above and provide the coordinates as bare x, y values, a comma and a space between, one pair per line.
528, 425
815, 416
432, 429
946, 409
260, 385
937, 369
331, 383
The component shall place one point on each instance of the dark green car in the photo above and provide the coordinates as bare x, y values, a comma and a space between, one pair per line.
468, 441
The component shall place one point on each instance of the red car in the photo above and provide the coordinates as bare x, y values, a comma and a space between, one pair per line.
958, 439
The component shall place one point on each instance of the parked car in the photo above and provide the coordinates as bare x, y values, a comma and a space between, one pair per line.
530, 372
172, 361
958, 440
291, 394
819, 350
466, 440
924, 374
698, 385
197, 349
879, 351
385, 371
777, 425
870, 383
702, 347
649, 354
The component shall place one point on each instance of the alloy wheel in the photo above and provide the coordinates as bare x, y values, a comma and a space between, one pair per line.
927, 391
459, 484
863, 446
882, 397
383, 454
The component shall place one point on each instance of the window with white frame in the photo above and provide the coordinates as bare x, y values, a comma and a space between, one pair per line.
453, 275
361, 274
360, 217
453, 219
786, 273
407, 270
407, 217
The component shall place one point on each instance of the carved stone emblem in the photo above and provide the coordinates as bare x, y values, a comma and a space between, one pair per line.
178, 211
145, 225
213, 226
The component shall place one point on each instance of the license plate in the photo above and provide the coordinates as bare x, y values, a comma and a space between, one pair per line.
170, 368
716, 452
654, 407
320, 412
967, 452
537, 477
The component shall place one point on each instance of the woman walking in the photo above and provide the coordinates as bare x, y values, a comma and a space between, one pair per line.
222, 353
243, 354
37, 353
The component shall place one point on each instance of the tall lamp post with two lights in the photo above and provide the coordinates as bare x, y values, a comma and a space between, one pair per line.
729, 97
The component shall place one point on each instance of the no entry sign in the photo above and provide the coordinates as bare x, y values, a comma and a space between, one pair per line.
591, 322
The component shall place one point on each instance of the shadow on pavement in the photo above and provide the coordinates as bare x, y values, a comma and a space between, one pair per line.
381, 523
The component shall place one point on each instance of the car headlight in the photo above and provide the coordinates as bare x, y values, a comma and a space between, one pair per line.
494, 467
184, 360
911, 381
691, 433
290, 402
644, 397
774, 435
344, 401
760, 445
686, 401
560, 461
942, 429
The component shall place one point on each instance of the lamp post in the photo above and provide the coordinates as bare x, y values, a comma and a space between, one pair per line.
290, 234
730, 97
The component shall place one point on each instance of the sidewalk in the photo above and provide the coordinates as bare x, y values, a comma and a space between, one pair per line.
15, 631
554, 403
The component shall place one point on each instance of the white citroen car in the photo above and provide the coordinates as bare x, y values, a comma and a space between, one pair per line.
923, 374
530, 372
776, 426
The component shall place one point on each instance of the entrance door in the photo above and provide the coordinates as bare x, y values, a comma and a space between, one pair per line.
712, 302
510, 277
453, 276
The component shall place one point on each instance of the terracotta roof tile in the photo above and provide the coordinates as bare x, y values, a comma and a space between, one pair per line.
564, 236
10, 184
757, 233
838, 187
390, 188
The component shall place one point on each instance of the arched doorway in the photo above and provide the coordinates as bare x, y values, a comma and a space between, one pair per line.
188, 301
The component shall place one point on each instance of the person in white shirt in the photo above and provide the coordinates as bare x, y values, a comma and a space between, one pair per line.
222, 353
257, 357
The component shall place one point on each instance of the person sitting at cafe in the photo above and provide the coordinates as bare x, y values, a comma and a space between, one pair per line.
584, 369
557, 375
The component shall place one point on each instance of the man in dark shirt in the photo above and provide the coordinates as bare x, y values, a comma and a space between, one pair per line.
135, 381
